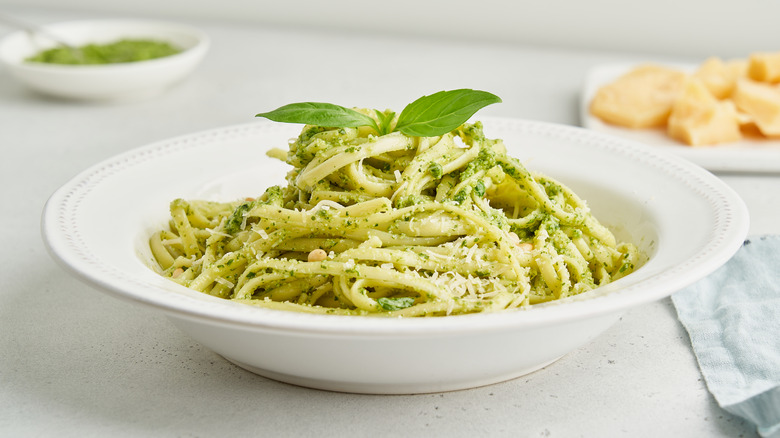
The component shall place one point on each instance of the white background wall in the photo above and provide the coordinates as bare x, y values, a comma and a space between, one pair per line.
696, 28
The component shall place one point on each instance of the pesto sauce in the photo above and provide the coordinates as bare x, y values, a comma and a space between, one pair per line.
121, 51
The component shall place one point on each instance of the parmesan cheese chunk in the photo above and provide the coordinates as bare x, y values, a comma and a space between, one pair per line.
764, 67
641, 98
762, 102
699, 118
720, 77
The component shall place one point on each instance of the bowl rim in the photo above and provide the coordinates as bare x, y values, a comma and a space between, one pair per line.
202, 44
616, 297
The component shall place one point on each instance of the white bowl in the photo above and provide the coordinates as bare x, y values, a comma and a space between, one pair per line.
121, 81
683, 218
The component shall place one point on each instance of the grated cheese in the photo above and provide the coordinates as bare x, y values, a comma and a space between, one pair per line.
442, 257
244, 217
261, 232
218, 233
224, 282
399, 190
324, 204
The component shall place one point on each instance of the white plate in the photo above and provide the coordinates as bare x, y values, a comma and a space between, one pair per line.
687, 221
748, 155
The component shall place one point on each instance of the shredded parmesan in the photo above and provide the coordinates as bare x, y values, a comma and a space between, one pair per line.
442, 257
224, 282
261, 232
244, 217
218, 233
399, 190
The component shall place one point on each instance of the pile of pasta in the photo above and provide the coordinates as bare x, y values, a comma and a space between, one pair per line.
719, 102
394, 225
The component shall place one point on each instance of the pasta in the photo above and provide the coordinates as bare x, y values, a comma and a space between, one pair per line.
394, 225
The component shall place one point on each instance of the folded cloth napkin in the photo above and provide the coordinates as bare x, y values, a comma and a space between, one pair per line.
733, 319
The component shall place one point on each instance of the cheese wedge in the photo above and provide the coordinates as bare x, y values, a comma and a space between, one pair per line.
764, 67
721, 77
641, 98
761, 102
699, 118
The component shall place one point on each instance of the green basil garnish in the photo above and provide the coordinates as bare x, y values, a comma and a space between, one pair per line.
428, 116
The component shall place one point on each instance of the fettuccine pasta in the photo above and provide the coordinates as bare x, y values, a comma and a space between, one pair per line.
394, 225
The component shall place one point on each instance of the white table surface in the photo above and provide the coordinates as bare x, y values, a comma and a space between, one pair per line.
74, 362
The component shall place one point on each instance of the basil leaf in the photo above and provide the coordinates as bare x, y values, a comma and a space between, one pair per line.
441, 112
320, 114
385, 120
428, 116
395, 303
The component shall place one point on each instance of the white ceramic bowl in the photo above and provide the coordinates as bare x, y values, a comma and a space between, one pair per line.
687, 221
120, 81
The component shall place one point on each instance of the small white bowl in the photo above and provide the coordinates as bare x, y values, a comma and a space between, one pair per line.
122, 81
687, 221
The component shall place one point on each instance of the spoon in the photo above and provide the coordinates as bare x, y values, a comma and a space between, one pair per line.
33, 29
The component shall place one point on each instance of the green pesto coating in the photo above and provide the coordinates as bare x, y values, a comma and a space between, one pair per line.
121, 51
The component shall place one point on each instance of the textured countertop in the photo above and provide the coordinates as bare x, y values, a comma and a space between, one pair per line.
75, 362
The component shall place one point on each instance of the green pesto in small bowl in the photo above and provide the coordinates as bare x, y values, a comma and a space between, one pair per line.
121, 51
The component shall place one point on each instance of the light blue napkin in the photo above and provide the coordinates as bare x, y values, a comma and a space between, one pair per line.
733, 319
